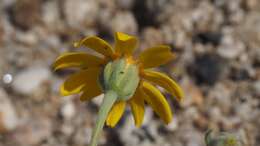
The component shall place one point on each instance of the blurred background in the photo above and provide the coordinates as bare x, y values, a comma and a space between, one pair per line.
217, 44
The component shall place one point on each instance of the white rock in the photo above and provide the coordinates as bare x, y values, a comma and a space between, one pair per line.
7, 79
148, 116
68, 110
81, 12
51, 15
8, 117
124, 22
126, 134
230, 48
29, 38
173, 125
30, 79
98, 100
193, 138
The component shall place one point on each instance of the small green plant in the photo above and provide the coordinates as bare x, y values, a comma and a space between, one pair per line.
223, 139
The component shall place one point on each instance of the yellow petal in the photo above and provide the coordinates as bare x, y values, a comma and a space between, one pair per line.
76, 82
155, 56
90, 91
125, 44
116, 113
96, 44
77, 59
165, 82
157, 101
137, 107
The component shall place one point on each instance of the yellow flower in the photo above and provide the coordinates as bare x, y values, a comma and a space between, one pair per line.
88, 82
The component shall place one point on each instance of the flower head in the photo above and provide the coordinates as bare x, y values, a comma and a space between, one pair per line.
123, 78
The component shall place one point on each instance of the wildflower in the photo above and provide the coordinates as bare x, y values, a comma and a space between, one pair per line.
122, 78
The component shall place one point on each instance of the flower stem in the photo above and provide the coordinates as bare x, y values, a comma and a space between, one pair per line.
108, 101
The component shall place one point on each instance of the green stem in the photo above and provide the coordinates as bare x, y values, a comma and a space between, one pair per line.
208, 137
108, 101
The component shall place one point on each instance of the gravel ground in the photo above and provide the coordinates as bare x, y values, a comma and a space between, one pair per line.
217, 44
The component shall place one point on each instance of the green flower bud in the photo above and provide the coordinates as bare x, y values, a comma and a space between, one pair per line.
120, 77
223, 139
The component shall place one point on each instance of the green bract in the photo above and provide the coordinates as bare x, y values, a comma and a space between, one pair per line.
121, 77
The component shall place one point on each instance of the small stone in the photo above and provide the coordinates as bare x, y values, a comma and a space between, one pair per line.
193, 94
79, 13
30, 79
124, 22
51, 15
33, 132
6, 29
256, 87
208, 68
98, 100
173, 125
215, 114
7, 79
221, 95
193, 138
7, 3
148, 116
201, 122
68, 110
230, 48
26, 9
28, 37
152, 37
8, 117
67, 129
125, 4
252, 4
208, 38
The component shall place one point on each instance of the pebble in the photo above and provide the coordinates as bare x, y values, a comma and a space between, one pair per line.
7, 3
256, 87
193, 94
30, 79
51, 15
230, 49
193, 138
221, 94
126, 132
152, 37
252, 4
34, 131
8, 116
98, 100
124, 22
215, 114
125, 4
80, 13
8, 78
68, 109
31, 10
173, 126
28, 38
208, 68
